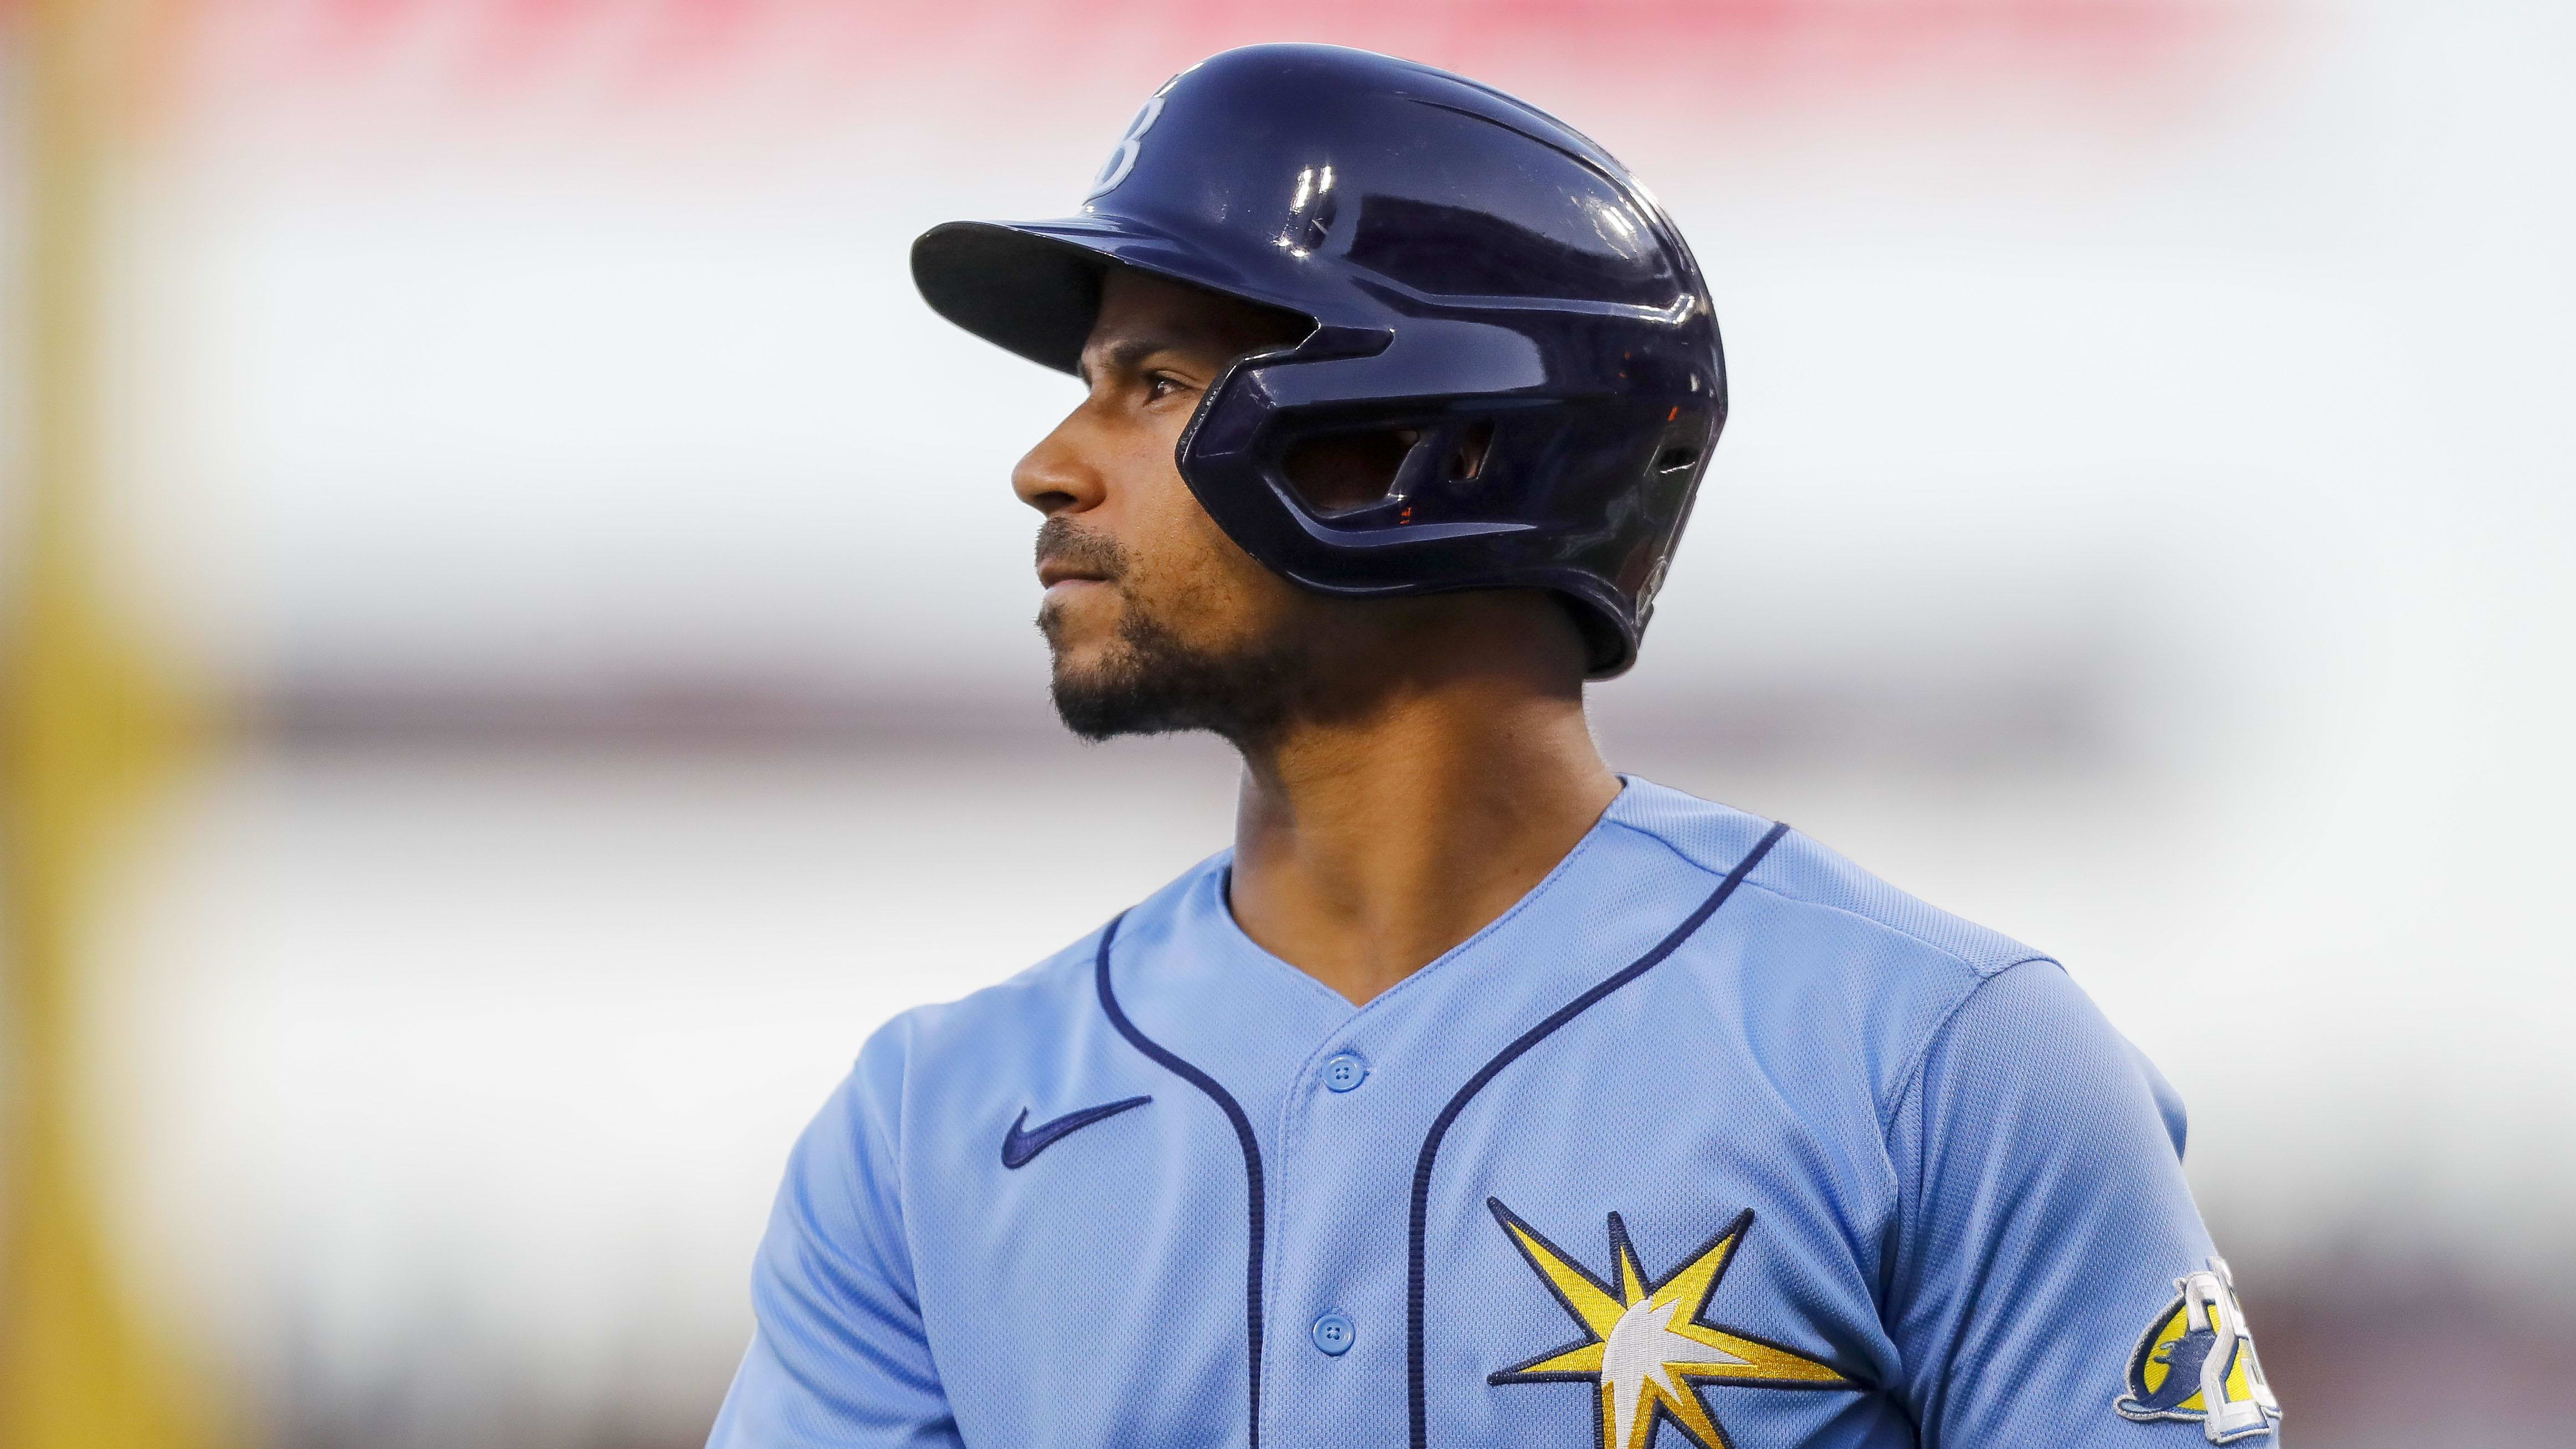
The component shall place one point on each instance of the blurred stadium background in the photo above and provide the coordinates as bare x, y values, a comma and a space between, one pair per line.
519, 652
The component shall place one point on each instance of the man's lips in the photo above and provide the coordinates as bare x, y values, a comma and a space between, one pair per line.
1052, 574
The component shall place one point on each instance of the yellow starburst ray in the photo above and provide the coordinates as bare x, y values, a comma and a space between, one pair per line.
1688, 1287
1743, 1358
1598, 1311
1757, 1360
1632, 1276
1682, 1296
1684, 1407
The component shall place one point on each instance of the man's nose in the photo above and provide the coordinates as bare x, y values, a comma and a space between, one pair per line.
1057, 475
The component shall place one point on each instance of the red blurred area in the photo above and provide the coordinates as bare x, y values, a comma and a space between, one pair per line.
1684, 55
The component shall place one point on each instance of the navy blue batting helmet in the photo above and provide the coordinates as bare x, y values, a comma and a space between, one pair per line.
1486, 286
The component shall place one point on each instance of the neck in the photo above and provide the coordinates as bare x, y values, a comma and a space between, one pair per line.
1369, 844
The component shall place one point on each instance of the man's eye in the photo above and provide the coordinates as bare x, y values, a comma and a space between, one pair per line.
1159, 387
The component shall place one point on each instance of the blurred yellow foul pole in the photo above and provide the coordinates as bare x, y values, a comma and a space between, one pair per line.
87, 728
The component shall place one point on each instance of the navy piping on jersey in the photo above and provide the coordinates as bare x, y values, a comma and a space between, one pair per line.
1476, 1083
1242, 1133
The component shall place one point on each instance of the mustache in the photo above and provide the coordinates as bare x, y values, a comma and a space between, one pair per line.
1059, 541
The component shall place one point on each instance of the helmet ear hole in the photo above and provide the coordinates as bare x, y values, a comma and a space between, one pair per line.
1467, 460
1340, 472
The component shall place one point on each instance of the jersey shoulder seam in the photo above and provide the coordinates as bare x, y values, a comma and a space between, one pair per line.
1684, 856
1754, 881
1921, 1049
1921, 1052
1982, 973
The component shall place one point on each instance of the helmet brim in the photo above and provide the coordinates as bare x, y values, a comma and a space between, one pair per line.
1017, 288
1033, 288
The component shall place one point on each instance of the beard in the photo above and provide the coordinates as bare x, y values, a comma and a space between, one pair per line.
1154, 682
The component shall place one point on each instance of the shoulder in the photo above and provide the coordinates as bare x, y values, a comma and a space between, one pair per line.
1815, 936
1030, 1025
1802, 879
1035, 1002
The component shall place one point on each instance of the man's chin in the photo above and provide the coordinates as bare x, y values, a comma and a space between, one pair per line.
1149, 683
1101, 700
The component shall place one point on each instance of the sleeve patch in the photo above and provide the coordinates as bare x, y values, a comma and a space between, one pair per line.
2196, 1362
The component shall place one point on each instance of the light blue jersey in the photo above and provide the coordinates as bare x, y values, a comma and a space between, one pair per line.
1712, 1140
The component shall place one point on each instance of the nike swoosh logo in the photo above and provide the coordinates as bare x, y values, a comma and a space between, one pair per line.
1019, 1146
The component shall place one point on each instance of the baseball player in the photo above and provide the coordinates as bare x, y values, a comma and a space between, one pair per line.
1477, 1096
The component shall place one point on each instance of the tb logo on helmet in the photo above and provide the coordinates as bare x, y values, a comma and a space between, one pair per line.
2196, 1362
1123, 160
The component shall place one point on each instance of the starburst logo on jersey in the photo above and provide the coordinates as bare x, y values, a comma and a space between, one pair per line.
1646, 1347
2196, 1362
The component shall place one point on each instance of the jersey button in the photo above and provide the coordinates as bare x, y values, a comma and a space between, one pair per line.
1344, 1070
1334, 1332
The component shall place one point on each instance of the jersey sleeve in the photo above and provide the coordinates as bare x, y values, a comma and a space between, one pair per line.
2046, 1234
838, 1356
